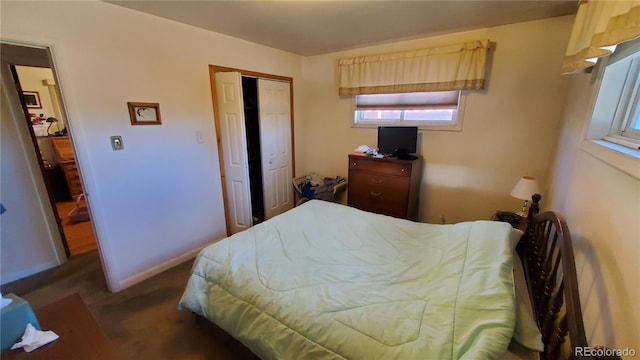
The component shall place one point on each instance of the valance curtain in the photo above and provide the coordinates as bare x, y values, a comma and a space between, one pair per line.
598, 27
452, 67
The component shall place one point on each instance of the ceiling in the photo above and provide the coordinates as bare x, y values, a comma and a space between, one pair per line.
309, 27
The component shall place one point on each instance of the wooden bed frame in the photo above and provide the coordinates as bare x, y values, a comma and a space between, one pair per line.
546, 251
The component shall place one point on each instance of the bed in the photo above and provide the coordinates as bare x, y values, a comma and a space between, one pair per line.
326, 281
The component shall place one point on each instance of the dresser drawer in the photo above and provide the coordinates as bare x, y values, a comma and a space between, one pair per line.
62, 148
380, 167
69, 166
75, 188
378, 185
378, 205
70, 171
380, 194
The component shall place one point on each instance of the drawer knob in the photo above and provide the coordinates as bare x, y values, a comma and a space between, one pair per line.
402, 170
375, 193
374, 181
354, 164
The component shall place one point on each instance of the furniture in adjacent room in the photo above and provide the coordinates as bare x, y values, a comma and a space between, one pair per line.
80, 334
55, 177
385, 186
67, 161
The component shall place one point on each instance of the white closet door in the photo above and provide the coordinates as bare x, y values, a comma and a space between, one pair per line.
234, 145
274, 102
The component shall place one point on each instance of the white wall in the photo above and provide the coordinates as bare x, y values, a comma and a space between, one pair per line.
31, 80
602, 207
469, 174
158, 200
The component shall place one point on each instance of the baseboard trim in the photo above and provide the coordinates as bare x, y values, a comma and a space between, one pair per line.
32, 271
155, 270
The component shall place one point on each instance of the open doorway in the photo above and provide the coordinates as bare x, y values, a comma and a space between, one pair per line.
44, 116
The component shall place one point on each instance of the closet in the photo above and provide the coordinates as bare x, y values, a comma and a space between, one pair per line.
253, 116
254, 160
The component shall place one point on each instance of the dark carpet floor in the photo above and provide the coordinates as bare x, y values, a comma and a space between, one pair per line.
142, 321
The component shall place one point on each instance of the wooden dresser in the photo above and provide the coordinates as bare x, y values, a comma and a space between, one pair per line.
385, 186
67, 161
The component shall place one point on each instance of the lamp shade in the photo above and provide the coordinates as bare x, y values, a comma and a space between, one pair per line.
526, 186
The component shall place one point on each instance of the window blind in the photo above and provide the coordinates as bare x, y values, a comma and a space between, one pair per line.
443, 100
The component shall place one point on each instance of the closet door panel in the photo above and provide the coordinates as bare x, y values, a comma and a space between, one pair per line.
275, 139
234, 145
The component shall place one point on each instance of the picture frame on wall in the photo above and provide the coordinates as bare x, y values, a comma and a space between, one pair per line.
144, 113
32, 99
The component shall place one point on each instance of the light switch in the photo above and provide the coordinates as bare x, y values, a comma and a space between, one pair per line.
116, 142
199, 137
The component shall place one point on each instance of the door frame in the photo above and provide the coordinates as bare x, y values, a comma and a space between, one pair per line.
213, 69
42, 55
28, 55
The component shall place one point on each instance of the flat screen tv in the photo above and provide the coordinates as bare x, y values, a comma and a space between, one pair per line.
399, 141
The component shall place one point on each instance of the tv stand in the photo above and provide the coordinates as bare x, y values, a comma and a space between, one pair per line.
388, 186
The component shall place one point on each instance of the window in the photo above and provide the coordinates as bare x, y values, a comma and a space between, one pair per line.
440, 110
617, 107
626, 122
614, 132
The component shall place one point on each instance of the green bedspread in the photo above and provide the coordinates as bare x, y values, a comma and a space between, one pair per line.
325, 281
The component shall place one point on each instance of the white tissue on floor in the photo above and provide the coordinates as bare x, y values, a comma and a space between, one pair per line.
33, 339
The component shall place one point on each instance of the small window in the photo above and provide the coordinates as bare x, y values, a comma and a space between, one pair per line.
439, 110
627, 119
613, 135
617, 107
633, 128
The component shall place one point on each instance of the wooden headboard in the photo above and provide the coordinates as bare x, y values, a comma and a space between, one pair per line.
546, 250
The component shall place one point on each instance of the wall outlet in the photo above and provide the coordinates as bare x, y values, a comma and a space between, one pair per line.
116, 142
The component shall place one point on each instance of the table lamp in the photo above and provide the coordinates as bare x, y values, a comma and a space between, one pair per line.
51, 121
524, 189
